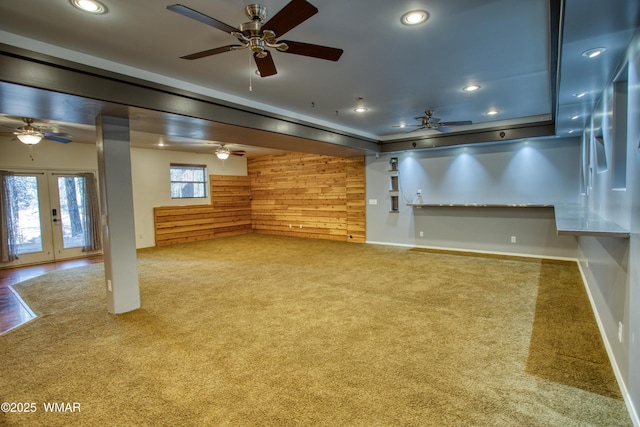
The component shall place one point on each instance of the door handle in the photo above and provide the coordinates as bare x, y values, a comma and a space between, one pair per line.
55, 220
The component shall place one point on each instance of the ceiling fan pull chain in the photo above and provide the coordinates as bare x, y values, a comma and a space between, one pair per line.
250, 88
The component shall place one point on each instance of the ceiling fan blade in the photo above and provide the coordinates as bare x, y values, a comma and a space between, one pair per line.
201, 17
461, 123
210, 52
313, 50
442, 129
416, 129
265, 65
237, 153
433, 120
65, 138
290, 16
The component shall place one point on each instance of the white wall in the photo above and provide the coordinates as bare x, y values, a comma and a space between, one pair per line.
151, 187
150, 173
541, 171
611, 266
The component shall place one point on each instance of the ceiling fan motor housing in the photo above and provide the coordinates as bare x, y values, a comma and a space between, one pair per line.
256, 12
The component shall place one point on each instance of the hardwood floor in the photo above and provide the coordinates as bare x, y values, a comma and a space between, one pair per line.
13, 310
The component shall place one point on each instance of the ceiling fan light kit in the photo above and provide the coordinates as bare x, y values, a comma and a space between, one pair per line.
360, 107
32, 135
222, 154
259, 36
30, 138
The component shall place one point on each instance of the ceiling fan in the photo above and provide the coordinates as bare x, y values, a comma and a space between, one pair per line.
429, 122
31, 135
223, 152
259, 36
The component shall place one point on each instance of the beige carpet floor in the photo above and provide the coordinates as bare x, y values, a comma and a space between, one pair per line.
275, 331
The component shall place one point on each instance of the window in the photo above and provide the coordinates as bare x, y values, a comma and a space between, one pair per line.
188, 181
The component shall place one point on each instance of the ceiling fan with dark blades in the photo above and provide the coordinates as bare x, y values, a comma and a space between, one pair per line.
223, 153
31, 135
434, 123
258, 35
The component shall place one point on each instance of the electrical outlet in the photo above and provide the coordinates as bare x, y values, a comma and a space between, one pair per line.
109, 286
301, 226
419, 192
289, 225
513, 239
373, 201
422, 234
620, 328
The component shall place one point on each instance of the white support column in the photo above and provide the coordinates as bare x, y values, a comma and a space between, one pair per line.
116, 196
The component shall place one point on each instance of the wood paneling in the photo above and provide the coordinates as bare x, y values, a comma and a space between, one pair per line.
356, 207
231, 201
229, 213
289, 194
306, 195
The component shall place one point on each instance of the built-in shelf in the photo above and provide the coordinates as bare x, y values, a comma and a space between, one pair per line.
578, 220
571, 219
479, 205
394, 203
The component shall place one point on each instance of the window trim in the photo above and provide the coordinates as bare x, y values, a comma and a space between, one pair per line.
205, 182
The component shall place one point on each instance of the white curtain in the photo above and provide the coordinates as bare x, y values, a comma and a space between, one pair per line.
91, 239
8, 218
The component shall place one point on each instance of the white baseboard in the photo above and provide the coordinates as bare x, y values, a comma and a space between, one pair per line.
616, 370
439, 248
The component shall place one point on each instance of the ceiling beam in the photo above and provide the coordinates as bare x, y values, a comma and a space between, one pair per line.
111, 93
497, 134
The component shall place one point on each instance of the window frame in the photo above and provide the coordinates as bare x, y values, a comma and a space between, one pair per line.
204, 183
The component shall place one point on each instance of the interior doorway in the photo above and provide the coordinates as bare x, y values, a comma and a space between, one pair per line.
51, 217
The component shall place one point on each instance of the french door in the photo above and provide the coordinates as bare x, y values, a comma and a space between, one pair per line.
50, 216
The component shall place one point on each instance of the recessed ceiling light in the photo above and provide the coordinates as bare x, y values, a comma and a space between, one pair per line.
491, 112
91, 6
571, 131
576, 117
592, 53
414, 17
471, 88
580, 94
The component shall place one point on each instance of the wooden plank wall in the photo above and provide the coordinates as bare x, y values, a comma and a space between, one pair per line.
307, 195
231, 201
356, 206
229, 213
325, 195
179, 224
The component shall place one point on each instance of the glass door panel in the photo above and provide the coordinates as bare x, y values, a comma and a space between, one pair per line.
71, 213
50, 216
31, 205
67, 201
28, 204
